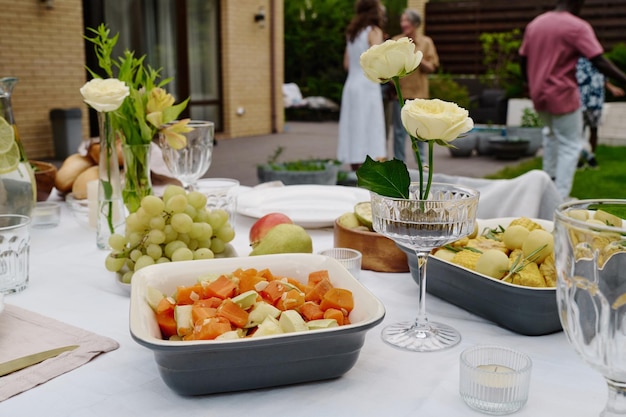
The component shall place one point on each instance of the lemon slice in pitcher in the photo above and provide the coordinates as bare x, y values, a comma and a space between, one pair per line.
9, 151
7, 136
363, 212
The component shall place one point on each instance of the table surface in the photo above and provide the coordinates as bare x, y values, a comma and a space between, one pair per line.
68, 282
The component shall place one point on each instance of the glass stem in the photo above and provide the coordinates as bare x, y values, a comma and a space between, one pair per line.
421, 319
616, 404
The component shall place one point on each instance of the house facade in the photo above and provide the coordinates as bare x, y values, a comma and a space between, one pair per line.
227, 56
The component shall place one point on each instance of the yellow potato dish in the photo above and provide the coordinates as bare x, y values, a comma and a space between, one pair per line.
521, 254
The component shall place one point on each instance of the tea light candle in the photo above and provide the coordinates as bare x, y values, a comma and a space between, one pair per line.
92, 202
494, 379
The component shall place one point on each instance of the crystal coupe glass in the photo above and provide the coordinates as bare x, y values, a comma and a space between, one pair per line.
447, 215
192, 161
590, 250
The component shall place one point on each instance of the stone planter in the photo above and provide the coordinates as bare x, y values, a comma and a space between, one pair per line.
484, 132
464, 147
534, 136
508, 148
327, 176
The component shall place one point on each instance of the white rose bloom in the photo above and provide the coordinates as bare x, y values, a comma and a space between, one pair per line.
390, 59
105, 95
435, 119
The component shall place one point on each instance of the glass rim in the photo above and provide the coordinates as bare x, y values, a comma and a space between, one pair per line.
232, 181
526, 368
471, 193
559, 214
24, 221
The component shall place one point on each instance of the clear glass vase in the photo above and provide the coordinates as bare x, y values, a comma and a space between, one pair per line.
111, 213
137, 182
18, 189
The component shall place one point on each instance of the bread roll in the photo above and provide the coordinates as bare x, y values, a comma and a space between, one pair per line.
72, 167
79, 188
94, 152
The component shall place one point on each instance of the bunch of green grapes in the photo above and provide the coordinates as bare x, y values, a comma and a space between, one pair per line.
177, 227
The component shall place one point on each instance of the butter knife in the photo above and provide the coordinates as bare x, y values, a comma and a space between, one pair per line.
29, 360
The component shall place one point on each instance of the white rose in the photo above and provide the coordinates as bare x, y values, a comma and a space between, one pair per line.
105, 95
390, 59
435, 119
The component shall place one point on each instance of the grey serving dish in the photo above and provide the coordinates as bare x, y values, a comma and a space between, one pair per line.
524, 310
205, 367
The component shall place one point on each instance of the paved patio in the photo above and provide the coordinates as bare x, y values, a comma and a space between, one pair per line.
238, 158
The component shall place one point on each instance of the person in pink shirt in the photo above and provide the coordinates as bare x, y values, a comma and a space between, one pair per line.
552, 44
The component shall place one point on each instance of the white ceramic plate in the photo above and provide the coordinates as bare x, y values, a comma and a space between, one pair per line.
309, 206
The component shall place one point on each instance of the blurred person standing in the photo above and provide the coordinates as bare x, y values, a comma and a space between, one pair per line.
414, 85
361, 119
591, 84
552, 44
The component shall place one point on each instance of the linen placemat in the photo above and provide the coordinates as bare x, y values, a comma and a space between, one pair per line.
24, 332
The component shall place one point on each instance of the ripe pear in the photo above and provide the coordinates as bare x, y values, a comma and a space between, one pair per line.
284, 238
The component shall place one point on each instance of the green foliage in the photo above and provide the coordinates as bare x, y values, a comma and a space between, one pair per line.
617, 55
501, 58
297, 165
315, 42
605, 182
388, 178
443, 86
530, 118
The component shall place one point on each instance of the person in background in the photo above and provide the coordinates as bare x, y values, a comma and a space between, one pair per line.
361, 118
591, 84
552, 44
415, 85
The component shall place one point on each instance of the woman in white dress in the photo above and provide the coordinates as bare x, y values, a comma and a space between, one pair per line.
361, 120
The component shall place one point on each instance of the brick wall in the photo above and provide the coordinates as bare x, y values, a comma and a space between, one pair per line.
247, 69
420, 6
44, 49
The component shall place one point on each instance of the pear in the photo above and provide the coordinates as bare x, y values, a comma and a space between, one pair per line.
284, 238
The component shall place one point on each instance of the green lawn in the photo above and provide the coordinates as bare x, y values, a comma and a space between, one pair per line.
608, 181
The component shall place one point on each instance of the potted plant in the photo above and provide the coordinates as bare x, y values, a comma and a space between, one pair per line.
302, 171
530, 129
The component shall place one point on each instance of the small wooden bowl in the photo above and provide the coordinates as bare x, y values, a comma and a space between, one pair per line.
379, 252
45, 174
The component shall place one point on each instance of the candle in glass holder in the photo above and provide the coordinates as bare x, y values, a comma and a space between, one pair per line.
494, 379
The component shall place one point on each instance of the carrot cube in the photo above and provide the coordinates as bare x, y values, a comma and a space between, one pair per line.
290, 300
318, 291
223, 288
338, 298
233, 313
311, 311
333, 313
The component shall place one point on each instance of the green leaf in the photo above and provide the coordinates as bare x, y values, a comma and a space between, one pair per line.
171, 113
108, 189
389, 178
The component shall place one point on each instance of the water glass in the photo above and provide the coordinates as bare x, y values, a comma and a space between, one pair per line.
14, 252
494, 379
221, 193
349, 258
46, 214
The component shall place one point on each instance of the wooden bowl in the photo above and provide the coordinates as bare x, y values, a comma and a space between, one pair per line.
379, 252
45, 174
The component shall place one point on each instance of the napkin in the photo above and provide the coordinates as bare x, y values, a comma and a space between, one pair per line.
23, 332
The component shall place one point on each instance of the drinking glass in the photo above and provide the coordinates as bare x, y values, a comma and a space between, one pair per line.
14, 252
192, 161
447, 215
590, 255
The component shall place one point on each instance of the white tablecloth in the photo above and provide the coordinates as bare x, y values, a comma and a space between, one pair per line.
68, 282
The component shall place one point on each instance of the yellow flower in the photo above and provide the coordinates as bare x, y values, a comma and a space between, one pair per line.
155, 119
390, 59
435, 119
158, 100
172, 133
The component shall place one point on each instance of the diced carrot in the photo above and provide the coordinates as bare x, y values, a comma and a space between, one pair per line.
317, 276
248, 282
199, 313
167, 323
274, 291
165, 305
333, 313
267, 274
311, 311
188, 295
297, 284
211, 328
222, 288
319, 290
235, 314
338, 298
346, 320
290, 300
239, 273
212, 302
